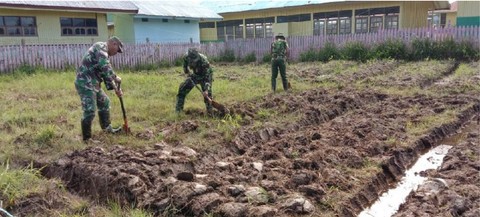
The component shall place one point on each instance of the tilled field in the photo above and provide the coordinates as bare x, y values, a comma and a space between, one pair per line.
348, 145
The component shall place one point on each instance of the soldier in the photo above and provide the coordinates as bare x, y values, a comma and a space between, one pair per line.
202, 74
94, 70
279, 52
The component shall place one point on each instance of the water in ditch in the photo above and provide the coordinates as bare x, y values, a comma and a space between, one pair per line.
390, 201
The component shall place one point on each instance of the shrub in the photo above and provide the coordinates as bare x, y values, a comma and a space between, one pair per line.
466, 51
390, 49
251, 57
309, 56
25, 69
445, 49
227, 56
327, 53
355, 51
422, 49
267, 58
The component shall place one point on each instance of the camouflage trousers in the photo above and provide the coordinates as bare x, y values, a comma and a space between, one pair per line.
278, 64
190, 83
91, 101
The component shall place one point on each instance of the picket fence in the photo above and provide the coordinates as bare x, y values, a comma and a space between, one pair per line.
63, 56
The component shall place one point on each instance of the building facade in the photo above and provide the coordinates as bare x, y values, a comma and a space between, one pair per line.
55, 22
315, 18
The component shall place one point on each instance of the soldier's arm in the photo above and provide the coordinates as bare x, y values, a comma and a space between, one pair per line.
185, 65
287, 49
107, 73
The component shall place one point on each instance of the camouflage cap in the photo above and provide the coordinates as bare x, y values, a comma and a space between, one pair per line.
120, 44
280, 35
193, 54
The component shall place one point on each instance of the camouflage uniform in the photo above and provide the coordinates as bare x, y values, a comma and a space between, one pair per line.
279, 51
95, 69
202, 74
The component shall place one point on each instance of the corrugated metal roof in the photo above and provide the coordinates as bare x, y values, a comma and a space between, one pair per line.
177, 9
221, 6
73, 5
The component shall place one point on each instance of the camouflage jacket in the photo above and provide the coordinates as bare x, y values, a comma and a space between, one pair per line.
279, 48
96, 68
200, 65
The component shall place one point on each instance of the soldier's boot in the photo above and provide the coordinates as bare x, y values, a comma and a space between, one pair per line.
104, 117
285, 84
274, 86
86, 130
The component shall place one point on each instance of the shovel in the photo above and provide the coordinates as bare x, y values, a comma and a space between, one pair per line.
125, 127
214, 104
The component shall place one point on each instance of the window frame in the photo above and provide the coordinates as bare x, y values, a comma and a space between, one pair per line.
21, 27
78, 26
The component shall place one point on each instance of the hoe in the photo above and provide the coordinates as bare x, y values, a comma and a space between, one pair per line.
125, 127
214, 104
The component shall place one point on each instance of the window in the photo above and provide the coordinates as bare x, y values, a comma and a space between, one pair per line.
391, 17
361, 25
333, 22
345, 22
239, 31
319, 21
186, 21
144, 19
249, 30
345, 26
207, 25
165, 20
376, 23
229, 32
374, 19
391, 22
78, 26
17, 26
259, 30
221, 30
332, 26
231, 29
259, 27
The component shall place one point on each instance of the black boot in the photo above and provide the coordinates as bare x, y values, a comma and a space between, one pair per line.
86, 129
104, 117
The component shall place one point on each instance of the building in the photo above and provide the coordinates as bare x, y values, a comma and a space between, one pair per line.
468, 13
443, 18
162, 21
264, 18
57, 22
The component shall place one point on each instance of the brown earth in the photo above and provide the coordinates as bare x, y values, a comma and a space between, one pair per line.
347, 147
453, 189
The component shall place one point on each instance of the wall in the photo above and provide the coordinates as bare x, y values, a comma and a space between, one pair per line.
49, 30
172, 31
124, 27
468, 13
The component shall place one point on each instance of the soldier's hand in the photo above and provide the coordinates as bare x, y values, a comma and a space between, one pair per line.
117, 79
205, 94
119, 92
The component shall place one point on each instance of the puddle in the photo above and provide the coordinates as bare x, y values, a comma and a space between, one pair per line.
390, 201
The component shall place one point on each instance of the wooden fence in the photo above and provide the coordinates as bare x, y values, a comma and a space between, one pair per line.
61, 56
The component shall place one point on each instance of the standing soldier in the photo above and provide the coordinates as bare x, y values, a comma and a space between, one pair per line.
279, 52
202, 74
94, 70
